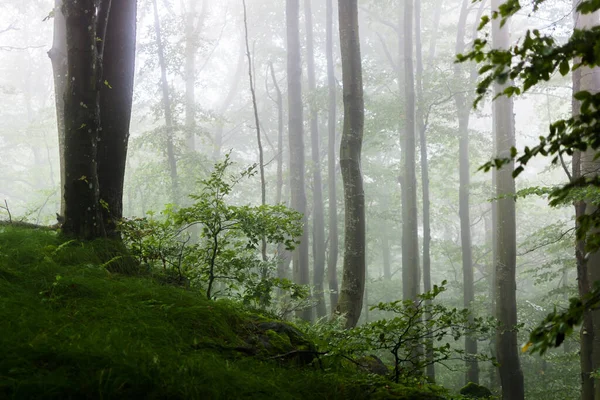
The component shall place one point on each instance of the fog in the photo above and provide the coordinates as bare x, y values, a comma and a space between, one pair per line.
212, 114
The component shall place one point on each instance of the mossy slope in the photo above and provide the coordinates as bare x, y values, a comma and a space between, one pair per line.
71, 330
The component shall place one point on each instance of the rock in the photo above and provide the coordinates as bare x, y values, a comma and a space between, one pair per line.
475, 391
280, 341
373, 365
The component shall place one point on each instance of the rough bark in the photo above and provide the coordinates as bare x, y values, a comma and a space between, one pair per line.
166, 103
296, 138
318, 213
463, 109
58, 58
83, 218
353, 281
331, 162
116, 97
511, 375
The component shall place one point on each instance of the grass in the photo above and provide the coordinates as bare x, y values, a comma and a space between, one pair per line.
69, 329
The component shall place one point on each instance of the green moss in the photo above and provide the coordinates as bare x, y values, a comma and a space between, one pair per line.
72, 328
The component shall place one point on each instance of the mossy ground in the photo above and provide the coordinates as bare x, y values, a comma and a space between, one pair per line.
70, 329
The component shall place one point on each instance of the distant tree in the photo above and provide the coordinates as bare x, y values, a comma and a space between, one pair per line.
331, 162
353, 281
296, 137
507, 351
58, 57
318, 212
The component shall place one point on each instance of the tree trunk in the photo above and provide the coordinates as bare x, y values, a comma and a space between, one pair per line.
430, 369
511, 375
58, 58
83, 217
588, 268
353, 281
410, 238
318, 214
331, 158
296, 133
463, 111
166, 100
116, 99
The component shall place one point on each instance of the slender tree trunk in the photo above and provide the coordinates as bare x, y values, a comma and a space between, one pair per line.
318, 214
296, 133
58, 58
588, 267
353, 281
410, 239
261, 158
463, 111
511, 375
331, 158
84, 24
386, 252
116, 99
422, 128
166, 100
283, 255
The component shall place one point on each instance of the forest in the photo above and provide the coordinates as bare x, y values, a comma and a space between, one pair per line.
254, 199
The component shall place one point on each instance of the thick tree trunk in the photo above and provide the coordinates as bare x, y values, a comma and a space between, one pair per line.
410, 238
115, 110
83, 217
318, 214
463, 111
511, 375
588, 267
353, 281
166, 102
296, 133
58, 58
331, 163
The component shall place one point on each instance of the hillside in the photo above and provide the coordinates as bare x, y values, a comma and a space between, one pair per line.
72, 330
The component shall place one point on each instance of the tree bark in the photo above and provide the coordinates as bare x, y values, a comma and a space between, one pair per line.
58, 58
296, 137
83, 217
331, 164
463, 110
353, 281
511, 375
166, 102
116, 97
584, 164
318, 213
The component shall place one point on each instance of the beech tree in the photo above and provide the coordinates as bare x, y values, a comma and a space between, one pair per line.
353, 280
296, 137
97, 109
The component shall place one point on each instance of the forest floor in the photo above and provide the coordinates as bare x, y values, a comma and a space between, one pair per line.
70, 329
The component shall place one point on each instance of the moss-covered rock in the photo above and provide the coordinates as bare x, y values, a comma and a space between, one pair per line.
475, 391
373, 365
281, 341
